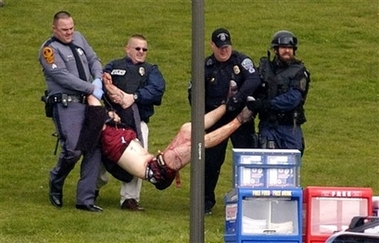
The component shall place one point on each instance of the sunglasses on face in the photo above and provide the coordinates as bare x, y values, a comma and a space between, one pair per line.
140, 48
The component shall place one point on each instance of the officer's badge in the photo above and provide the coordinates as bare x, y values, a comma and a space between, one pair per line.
141, 71
236, 69
48, 54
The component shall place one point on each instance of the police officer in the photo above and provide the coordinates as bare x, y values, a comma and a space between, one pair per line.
144, 86
230, 77
281, 107
69, 65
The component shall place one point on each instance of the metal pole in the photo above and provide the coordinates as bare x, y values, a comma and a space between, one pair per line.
197, 118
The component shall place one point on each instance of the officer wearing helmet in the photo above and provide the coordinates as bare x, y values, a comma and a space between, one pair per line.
280, 104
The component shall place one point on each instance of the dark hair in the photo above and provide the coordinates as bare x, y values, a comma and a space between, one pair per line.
61, 15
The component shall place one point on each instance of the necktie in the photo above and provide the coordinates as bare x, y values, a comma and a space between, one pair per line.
79, 64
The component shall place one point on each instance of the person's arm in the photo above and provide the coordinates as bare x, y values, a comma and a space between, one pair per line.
53, 62
152, 92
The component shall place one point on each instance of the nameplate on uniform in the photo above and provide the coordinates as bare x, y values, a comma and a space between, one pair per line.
118, 72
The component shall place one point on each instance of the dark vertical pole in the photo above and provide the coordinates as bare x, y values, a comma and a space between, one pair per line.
197, 118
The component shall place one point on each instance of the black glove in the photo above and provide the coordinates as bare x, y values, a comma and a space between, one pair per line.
259, 105
233, 104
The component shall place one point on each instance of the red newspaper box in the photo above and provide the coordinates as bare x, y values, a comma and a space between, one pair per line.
330, 209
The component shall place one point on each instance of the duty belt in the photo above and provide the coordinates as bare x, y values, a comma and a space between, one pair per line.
65, 98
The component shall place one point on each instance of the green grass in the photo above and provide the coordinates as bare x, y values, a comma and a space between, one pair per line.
338, 43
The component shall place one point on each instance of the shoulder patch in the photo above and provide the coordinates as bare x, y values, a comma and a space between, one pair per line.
118, 72
303, 84
48, 54
247, 63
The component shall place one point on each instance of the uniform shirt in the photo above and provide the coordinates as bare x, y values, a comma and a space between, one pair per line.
150, 92
296, 92
60, 70
218, 75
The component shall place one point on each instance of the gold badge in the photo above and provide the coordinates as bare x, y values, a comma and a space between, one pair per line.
48, 54
236, 69
141, 71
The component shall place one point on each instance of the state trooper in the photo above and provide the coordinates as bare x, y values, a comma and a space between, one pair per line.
72, 71
230, 76
281, 103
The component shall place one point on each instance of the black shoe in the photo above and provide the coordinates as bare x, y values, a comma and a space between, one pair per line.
90, 208
208, 205
55, 197
56, 200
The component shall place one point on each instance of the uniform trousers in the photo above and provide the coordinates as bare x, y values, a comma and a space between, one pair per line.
284, 136
68, 121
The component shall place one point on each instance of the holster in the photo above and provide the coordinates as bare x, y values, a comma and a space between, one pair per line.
48, 105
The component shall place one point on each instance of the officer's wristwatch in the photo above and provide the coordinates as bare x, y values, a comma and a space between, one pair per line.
135, 96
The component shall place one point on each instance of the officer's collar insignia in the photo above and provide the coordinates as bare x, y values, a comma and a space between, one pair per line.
141, 71
48, 54
80, 51
236, 69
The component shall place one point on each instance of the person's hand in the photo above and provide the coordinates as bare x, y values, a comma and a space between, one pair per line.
127, 101
258, 105
98, 93
114, 116
107, 78
233, 104
97, 82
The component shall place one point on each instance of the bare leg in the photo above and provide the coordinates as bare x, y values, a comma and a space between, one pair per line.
213, 116
134, 159
93, 101
178, 152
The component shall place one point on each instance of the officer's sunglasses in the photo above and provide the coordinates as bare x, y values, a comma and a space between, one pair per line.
287, 41
140, 48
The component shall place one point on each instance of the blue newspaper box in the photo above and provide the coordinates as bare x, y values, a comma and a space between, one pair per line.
266, 168
264, 215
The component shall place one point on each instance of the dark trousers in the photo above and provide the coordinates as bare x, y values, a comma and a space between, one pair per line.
68, 121
283, 136
243, 137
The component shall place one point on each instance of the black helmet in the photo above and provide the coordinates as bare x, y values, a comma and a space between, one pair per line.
284, 38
